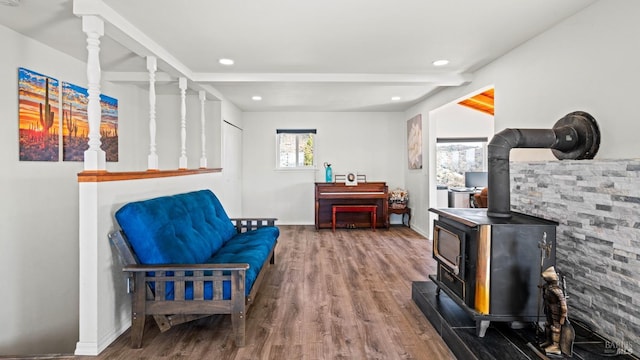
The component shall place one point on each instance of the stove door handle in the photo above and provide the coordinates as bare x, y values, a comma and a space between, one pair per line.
458, 258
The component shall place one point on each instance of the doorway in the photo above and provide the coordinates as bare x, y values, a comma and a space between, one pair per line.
462, 121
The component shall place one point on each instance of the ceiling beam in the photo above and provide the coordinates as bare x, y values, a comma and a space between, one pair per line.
136, 77
446, 79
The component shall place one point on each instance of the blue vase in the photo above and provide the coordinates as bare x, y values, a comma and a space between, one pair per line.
328, 174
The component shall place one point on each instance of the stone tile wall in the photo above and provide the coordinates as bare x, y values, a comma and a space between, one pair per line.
597, 204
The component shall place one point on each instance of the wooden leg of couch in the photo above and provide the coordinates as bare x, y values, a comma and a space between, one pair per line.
138, 314
137, 329
238, 307
238, 322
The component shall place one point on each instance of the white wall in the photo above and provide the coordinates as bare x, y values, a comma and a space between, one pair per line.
232, 167
584, 63
457, 121
369, 143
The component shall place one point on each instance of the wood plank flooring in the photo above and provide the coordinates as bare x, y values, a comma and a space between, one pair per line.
342, 295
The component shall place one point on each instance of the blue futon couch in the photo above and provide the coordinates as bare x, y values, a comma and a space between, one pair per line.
188, 259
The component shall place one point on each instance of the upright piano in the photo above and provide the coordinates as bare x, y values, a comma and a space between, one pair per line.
369, 193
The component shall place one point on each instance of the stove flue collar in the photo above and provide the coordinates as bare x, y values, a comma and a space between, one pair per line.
587, 131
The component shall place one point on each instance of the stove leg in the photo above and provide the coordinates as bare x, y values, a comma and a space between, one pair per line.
481, 327
438, 291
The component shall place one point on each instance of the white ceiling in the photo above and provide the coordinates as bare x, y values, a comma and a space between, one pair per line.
299, 55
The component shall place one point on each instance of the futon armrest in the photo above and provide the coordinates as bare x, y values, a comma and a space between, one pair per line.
246, 224
182, 276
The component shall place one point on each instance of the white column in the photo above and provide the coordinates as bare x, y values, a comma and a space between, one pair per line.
88, 248
152, 67
182, 83
94, 157
203, 159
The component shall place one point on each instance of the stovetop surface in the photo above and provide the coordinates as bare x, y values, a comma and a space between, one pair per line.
478, 216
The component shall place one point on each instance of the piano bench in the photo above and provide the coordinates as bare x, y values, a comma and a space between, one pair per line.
354, 208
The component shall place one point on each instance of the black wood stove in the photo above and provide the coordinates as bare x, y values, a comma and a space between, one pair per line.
489, 260
491, 266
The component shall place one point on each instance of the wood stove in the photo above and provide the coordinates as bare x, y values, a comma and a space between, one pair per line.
490, 260
491, 266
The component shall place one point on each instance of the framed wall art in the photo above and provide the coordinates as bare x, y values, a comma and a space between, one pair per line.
75, 126
414, 142
38, 116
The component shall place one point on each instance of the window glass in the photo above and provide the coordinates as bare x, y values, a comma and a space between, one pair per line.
454, 157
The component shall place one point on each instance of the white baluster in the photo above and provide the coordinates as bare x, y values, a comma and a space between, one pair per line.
203, 159
152, 67
182, 83
94, 156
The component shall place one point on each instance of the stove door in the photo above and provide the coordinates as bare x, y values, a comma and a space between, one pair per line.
449, 247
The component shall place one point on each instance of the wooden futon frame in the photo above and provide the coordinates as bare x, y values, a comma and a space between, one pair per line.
147, 283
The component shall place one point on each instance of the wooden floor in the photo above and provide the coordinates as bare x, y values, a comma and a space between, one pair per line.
342, 295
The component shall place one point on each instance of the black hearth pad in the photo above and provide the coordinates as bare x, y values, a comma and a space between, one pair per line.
457, 329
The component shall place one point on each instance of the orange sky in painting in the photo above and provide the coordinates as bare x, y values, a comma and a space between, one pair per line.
29, 117
30, 113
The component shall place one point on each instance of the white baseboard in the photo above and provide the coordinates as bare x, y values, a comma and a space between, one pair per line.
94, 349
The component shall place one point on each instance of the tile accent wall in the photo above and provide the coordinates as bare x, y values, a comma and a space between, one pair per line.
597, 204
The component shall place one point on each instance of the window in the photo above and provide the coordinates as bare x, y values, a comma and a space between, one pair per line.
295, 148
455, 156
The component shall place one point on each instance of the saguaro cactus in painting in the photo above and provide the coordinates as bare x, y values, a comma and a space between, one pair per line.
46, 119
69, 121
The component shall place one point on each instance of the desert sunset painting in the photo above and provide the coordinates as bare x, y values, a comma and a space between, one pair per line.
75, 127
38, 116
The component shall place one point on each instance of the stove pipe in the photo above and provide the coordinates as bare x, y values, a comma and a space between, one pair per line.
576, 136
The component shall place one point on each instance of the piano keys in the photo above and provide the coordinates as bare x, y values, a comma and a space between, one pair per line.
369, 193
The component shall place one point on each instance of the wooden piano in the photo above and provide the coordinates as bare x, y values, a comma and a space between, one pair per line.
369, 193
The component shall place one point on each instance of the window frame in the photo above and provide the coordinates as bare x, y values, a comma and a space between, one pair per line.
299, 133
445, 140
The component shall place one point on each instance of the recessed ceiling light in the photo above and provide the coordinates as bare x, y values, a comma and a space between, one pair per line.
442, 62
256, 98
227, 62
395, 98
